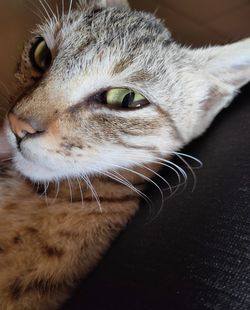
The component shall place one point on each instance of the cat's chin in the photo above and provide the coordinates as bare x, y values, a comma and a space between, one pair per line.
33, 171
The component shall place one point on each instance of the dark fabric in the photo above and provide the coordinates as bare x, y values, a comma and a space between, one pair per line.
195, 254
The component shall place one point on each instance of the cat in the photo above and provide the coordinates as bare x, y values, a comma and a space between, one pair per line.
104, 98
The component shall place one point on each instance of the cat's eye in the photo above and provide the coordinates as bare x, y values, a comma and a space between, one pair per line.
40, 55
125, 98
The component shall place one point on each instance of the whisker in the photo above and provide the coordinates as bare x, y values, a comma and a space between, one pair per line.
41, 16
191, 170
57, 12
122, 180
45, 10
45, 192
63, 7
70, 191
93, 191
191, 157
70, 8
143, 177
57, 191
158, 175
81, 193
50, 9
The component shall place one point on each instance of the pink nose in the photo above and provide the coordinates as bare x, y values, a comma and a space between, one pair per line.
20, 127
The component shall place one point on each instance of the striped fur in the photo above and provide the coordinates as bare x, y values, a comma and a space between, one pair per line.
84, 174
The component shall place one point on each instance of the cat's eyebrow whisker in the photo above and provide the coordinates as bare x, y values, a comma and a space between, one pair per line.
57, 12
45, 10
70, 8
39, 14
62, 7
50, 9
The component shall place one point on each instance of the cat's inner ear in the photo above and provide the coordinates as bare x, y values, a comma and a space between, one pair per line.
227, 69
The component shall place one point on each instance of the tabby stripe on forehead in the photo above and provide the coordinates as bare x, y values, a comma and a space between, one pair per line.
139, 76
122, 65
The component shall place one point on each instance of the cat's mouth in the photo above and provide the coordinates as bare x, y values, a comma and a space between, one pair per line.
25, 159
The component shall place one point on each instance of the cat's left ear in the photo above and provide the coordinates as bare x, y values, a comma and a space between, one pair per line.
230, 63
227, 68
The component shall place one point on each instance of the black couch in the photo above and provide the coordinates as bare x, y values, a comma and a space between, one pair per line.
195, 254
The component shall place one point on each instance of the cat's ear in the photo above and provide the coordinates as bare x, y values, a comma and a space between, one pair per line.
230, 63
227, 68
104, 3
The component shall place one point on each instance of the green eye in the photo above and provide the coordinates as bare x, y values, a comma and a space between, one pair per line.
40, 55
125, 98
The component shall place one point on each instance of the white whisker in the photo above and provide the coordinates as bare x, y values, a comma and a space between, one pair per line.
50, 9
191, 170
81, 193
143, 177
70, 191
57, 191
45, 192
63, 7
70, 8
93, 191
191, 157
45, 10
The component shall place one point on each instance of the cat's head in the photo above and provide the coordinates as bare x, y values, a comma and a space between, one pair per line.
103, 87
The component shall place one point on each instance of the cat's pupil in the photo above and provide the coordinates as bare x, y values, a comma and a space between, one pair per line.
46, 58
128, 99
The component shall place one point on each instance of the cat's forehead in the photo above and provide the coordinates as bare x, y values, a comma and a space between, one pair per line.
123, 30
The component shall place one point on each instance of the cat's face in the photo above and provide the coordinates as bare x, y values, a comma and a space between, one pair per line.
105, 87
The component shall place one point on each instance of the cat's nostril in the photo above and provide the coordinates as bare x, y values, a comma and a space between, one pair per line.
20, 127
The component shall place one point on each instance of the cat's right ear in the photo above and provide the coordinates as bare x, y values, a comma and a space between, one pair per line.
104, 3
